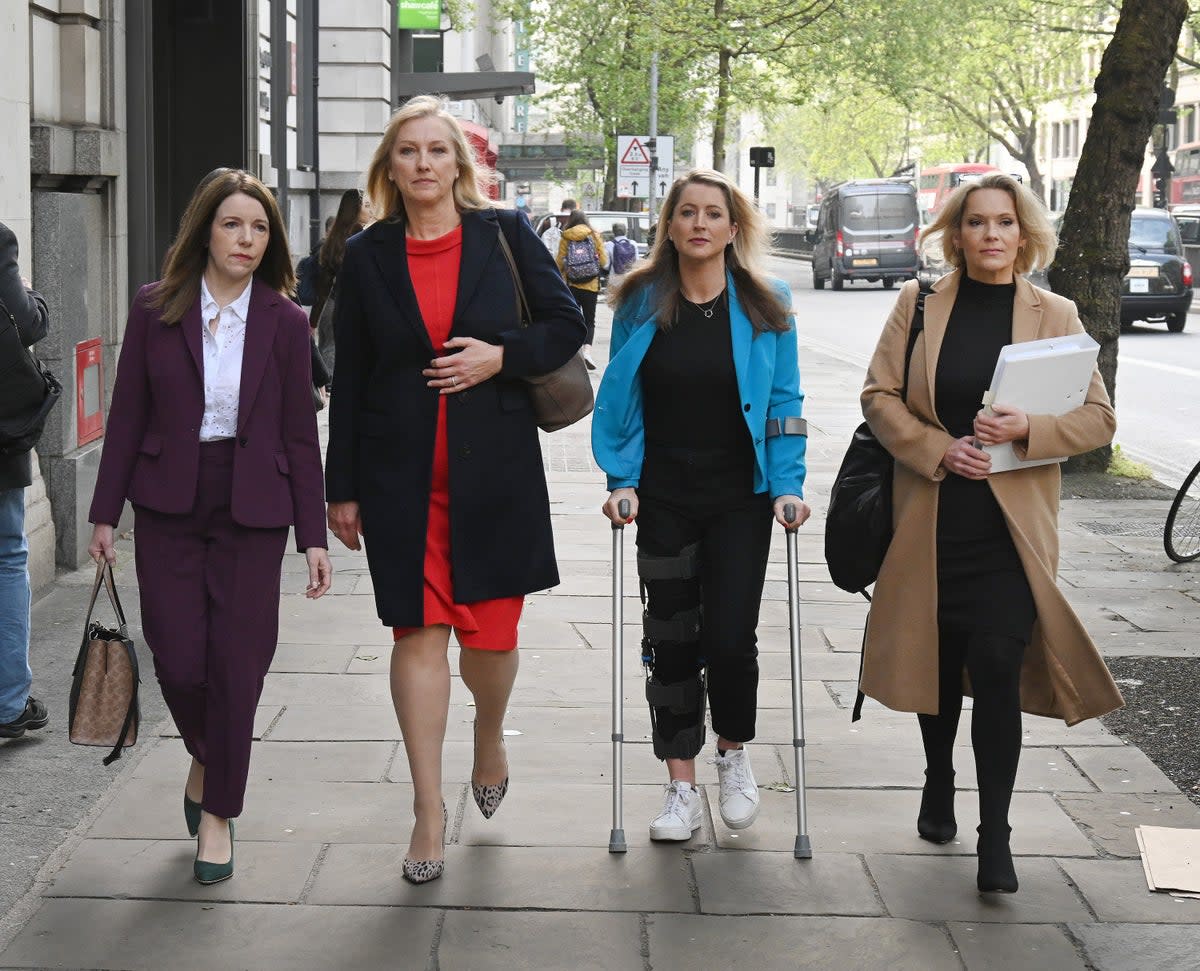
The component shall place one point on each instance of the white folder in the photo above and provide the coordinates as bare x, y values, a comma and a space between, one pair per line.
1046, 377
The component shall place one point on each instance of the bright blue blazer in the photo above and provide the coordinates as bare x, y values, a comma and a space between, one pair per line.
768, 377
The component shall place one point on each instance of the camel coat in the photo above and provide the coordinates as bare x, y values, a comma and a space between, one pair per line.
1063, 675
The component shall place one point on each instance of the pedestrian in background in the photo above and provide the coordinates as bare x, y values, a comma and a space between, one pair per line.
352, 217
581, 258
213, 439
968, 584
702, 370
23, 308
622, 254
432, 424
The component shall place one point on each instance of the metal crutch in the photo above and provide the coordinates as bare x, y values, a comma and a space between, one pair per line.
616, 838
803, 848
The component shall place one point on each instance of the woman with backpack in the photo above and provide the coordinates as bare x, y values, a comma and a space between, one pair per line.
581, 257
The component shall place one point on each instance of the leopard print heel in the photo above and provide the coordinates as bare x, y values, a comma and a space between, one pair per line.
488, 798
426, 871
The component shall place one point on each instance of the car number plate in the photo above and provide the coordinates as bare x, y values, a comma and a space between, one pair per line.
1143, 271
1139, 285
867, 262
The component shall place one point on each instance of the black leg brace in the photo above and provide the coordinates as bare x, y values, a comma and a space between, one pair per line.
675, 687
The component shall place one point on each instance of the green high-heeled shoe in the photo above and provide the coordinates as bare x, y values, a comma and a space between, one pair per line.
209, 873
191, 815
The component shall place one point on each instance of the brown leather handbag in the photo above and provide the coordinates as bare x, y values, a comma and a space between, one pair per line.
563, 396
104, 686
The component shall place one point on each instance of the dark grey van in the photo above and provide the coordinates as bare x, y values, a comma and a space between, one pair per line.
867, 230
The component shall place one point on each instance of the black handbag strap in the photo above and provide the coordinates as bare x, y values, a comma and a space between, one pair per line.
131, 714
916, 325
523, 314
104, 575
914, 329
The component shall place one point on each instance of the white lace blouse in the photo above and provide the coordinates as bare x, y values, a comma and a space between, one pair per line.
222, 362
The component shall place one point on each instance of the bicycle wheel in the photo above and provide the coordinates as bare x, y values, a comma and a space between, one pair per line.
1181, 535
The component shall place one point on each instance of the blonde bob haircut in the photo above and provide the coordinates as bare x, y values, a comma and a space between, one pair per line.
743, 258
1034, 223
471, 184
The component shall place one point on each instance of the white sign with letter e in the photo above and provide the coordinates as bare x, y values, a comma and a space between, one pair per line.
633, 166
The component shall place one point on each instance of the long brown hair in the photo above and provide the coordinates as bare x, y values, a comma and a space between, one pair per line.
187, 258
348, 222
743, 257
470, 186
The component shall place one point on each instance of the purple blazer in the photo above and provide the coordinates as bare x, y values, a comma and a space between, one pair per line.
152, 446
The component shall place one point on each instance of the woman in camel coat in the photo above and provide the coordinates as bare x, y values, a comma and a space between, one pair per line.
1054, 668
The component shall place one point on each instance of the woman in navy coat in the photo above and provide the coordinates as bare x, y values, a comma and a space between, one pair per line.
433, 449
212, 437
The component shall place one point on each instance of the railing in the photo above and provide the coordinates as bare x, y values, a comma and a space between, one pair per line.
793, 243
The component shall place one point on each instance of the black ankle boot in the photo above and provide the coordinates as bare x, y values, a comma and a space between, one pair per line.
935, 821
996, 872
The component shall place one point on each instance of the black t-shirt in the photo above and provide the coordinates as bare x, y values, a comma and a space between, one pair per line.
980, 325
689, 385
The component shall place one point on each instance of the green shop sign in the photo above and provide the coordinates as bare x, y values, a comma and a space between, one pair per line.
419, 14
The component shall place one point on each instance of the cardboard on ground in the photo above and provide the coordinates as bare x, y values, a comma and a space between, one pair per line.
1171, 859
1046, 377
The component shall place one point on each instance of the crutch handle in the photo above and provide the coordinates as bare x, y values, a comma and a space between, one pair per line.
623, 512
789, 512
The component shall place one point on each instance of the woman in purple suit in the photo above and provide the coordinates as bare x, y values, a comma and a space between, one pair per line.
213, 440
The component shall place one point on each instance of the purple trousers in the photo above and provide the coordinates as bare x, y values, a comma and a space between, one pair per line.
210, 615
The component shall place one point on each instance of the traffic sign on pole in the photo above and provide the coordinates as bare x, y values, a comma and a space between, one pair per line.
633, 165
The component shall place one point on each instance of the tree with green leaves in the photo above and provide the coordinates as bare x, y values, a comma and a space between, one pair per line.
1093, 252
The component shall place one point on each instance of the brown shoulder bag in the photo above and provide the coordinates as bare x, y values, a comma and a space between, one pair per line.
104, 686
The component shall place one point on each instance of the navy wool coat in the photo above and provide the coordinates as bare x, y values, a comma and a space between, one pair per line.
383, 415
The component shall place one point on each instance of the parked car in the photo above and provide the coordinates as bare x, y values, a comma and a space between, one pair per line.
866, 230
1158, 286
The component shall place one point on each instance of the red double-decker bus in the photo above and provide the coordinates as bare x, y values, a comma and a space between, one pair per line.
938, 181
1185, 181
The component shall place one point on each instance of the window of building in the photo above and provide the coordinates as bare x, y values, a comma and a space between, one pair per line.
427, 53
771, 177
770, 208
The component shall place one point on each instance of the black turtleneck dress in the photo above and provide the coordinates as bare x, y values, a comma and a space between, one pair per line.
981, 583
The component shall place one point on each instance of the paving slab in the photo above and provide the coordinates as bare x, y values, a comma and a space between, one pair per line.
787, 943
885, 821
293, 811
778, 883
1109, 818
1139, 947
162, 869
294, 761
1002, 947
1116, 890
483, 941
316, 658
542, 878
1121, 769
933, 888
146, 935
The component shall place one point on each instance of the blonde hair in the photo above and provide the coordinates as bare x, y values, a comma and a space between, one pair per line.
743, 258
1032, 219
187, 258
471, 184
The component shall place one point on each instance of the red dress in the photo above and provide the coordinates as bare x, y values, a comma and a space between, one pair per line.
491, 625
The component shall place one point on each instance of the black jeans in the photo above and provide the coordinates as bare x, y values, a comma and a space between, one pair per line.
688, 496
587, 303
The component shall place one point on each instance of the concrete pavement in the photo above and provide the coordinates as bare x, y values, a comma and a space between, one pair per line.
328, 810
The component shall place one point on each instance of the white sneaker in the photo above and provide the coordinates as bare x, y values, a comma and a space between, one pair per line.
681, 813
739, 791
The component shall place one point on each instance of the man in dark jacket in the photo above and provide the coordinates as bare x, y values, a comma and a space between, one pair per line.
18, 711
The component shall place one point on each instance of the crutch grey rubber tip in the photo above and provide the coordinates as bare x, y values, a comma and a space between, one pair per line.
789, 512
616, 842
803, 850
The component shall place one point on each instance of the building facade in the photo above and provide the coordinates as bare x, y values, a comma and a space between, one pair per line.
115, 109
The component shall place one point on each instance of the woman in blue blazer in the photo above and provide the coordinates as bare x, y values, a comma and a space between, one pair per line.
698, 425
